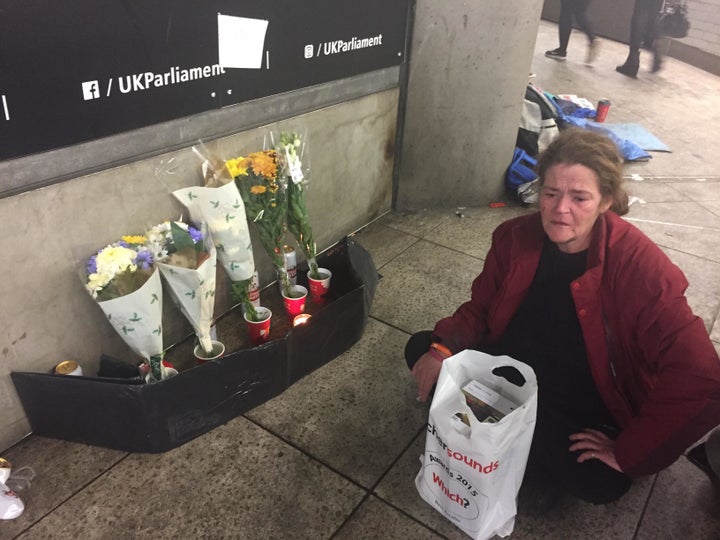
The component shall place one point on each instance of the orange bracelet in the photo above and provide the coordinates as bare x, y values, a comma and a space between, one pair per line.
442, 349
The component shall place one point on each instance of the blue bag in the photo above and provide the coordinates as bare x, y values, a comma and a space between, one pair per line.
521, 170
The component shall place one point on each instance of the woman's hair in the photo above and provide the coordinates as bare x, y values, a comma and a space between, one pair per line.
598, 153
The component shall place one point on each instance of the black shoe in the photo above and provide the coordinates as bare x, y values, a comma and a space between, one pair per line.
629, 70
556, 54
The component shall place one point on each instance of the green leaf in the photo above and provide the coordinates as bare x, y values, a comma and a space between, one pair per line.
181, 238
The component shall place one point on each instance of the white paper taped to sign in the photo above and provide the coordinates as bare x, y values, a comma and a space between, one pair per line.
241, 42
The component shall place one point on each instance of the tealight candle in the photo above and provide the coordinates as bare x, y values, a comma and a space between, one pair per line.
302, 318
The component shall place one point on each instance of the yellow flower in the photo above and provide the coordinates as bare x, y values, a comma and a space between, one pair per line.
264, 163
258, 190
237, 167
134, 240
273, 187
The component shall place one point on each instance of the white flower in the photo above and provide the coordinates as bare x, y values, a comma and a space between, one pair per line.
157, 239
110, 261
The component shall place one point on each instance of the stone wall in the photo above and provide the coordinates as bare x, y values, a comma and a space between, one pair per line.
46, 315
468, 72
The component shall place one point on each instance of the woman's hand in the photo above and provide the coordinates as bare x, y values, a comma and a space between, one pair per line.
426, 372
595, 445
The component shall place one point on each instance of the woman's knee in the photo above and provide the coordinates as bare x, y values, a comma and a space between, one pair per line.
417, 345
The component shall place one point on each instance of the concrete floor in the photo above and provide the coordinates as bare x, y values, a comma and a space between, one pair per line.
336, 454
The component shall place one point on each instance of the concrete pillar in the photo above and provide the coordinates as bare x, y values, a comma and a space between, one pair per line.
469, 66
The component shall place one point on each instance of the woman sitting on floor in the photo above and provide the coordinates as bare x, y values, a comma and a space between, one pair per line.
628, 377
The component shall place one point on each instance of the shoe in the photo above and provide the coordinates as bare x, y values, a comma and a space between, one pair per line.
631, 65
556, 54
592, 52
627, 70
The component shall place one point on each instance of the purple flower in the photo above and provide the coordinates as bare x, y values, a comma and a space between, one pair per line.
195, 234
91, 266
144, 259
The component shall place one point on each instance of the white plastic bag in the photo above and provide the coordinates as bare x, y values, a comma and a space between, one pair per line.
472, 474
11, 506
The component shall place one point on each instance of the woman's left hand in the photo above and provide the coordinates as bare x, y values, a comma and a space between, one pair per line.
595, 444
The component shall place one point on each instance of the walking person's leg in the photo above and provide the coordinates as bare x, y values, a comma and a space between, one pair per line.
652, 32
564, 29
637, 31
580, 12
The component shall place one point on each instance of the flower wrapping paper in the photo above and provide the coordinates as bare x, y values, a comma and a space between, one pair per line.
223, 210
137, 317
194, 293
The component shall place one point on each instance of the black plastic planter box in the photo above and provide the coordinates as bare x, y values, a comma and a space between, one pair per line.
121, 414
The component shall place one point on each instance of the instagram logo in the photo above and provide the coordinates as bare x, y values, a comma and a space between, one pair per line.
309, 49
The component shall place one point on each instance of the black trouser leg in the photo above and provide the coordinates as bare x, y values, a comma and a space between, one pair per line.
565, 23
644, 24
580, 11
417, 345
552, 462
637, 25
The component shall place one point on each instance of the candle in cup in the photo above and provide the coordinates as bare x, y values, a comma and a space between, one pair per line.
302, 318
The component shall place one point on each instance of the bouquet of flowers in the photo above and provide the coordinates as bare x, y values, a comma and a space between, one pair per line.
219, 205
187, 261
121, 278
293, 157
264, 194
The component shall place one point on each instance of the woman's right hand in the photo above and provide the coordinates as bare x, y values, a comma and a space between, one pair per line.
426, 372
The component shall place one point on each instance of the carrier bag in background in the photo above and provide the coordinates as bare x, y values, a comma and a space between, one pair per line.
674, 21
538, 122
471, 470
520, 174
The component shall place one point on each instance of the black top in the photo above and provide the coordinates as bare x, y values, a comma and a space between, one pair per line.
545, 334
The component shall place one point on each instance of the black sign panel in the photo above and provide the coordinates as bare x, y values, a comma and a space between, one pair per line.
78, 70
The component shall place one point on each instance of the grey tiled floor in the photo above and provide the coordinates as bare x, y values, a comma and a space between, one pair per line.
337, 453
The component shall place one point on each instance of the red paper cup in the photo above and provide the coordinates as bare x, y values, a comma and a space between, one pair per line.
259, 331
296, 304
319, 287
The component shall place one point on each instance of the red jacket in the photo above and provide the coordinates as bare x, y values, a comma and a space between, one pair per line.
651, 358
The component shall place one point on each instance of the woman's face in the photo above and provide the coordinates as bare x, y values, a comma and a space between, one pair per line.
570, 202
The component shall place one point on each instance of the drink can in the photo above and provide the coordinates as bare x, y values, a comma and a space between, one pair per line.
603, 107
68, 367
291, 263
254, 291
5, 470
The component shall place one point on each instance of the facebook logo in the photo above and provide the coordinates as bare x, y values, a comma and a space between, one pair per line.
91, 90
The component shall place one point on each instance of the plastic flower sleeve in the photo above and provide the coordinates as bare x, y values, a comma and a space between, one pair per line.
295, 166
137, 317
264, 193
